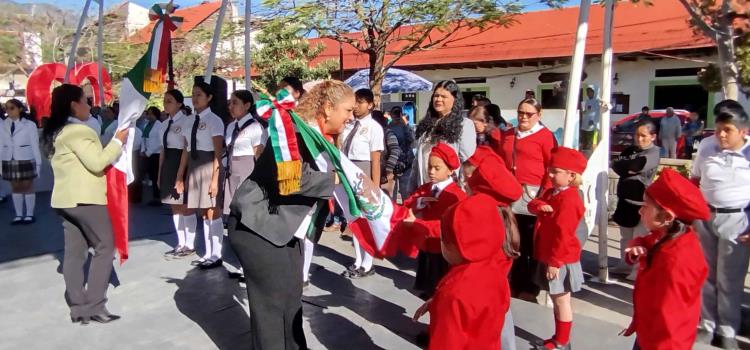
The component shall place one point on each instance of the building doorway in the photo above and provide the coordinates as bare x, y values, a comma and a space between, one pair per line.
689, 96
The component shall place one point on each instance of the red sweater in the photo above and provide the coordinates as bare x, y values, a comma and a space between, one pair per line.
667, 293
555, 240
533, 155
425, 231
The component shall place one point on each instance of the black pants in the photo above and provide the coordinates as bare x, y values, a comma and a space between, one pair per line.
152, 171
87, 226
274, 289
524, 268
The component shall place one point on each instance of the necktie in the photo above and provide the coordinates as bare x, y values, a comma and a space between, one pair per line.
435, 191
230, 148
147, 129
194, 138
166, 132
348, 142
12, 128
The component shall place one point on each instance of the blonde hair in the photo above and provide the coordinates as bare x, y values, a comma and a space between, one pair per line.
312, 104
577, 179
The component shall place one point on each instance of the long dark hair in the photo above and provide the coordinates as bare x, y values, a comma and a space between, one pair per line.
247, 97
448, 128
296, 84
60, 111
180, 98
675, 229
22, 111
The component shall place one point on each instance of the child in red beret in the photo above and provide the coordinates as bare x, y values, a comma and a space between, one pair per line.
427, 205
672, 269
559, 210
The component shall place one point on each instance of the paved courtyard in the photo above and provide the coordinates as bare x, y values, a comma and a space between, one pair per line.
167, 304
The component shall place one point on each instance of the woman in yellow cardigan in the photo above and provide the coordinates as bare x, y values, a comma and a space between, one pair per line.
79, 196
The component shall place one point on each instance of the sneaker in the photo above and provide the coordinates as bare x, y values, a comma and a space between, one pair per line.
361, 273
172, 253
728, 343
197, 262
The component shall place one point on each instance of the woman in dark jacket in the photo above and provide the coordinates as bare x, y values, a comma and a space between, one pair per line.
266, 227
636, 166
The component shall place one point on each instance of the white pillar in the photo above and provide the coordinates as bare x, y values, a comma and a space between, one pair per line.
100, 53
248, 48
574, 81
76, 37
215, 42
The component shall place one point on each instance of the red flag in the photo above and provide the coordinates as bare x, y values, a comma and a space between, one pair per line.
117, 206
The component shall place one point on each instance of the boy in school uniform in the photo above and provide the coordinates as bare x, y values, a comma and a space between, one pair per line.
722, 169
362, 143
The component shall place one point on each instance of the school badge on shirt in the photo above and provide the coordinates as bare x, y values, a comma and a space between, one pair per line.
177, 130
202, 126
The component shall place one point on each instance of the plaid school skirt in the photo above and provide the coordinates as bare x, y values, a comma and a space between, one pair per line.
18, 170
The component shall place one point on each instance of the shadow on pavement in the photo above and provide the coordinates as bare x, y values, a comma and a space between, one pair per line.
342, 336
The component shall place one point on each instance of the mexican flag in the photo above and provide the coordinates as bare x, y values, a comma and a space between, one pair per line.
146, 77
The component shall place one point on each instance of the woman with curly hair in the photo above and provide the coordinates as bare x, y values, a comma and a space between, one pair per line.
443, 123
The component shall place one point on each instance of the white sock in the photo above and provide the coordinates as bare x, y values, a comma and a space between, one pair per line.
357, 253
30, 201
366, 260
191, 226
178, 221
309, 247
207, 238
18, 203
217, 238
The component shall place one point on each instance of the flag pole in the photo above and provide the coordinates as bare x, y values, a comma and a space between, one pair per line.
248, 48
100, 53
574, 81
76, 37
215, 42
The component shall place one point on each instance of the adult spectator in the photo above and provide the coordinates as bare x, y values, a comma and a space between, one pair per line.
692, 131
79, 196
151, 150
405, 136
527, 151
670, 130
497, 118
479, 100
590, 116
391, 153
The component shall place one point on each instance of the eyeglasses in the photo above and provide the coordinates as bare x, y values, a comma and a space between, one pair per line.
522, 114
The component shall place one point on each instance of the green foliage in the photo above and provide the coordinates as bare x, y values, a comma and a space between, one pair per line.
282, 51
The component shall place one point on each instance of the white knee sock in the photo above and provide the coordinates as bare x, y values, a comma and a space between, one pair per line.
217, 238
30, 202
178, 221
190, 227
309, 247
18, 203
357, 253
207, 238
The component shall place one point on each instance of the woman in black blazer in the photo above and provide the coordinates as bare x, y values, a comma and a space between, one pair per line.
265, 227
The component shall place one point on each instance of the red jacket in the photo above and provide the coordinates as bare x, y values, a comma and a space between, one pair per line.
533, 155
425, 231
469, 306
667, 293
555, 240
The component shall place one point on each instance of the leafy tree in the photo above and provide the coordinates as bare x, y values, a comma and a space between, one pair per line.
372, 27
282, 51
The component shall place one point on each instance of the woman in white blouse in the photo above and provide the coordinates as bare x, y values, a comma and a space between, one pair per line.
21, 159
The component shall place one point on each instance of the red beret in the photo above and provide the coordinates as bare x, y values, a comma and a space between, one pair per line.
568, 159
475, 227
492, 177
480, 154
674, 192
447, 154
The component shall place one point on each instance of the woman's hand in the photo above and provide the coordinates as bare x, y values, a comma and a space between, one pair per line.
179, 186
552, 273
122, 135
425, 308
628, 331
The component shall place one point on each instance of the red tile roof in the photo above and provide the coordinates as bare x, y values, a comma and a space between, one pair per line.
549, 34
192, 17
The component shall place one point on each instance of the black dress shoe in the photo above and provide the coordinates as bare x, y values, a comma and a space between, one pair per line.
726, 343
235, 275
208, 264
198, 262
361, 273
105, 318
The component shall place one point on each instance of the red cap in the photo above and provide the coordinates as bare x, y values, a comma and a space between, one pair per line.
568, 159
475, 227
676, 193
447, 154
492, 177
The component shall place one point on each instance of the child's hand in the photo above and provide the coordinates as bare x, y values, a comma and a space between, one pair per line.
628, 331
744, 238
552, 273
425, 308
546, 208
635, 252
411, 218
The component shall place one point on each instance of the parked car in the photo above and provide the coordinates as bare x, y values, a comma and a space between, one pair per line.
621, 135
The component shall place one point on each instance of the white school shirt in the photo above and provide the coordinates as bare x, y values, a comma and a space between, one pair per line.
251, 136
534, 129
175, 138
369, 138
210, 125
152, 143
24, 142
724, 175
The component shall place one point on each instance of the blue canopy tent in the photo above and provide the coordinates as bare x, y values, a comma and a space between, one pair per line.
395, 81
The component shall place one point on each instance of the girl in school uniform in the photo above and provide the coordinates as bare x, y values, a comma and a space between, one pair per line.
636, 166
672, 269
171, 187
556, 246
21, 159
205, 141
